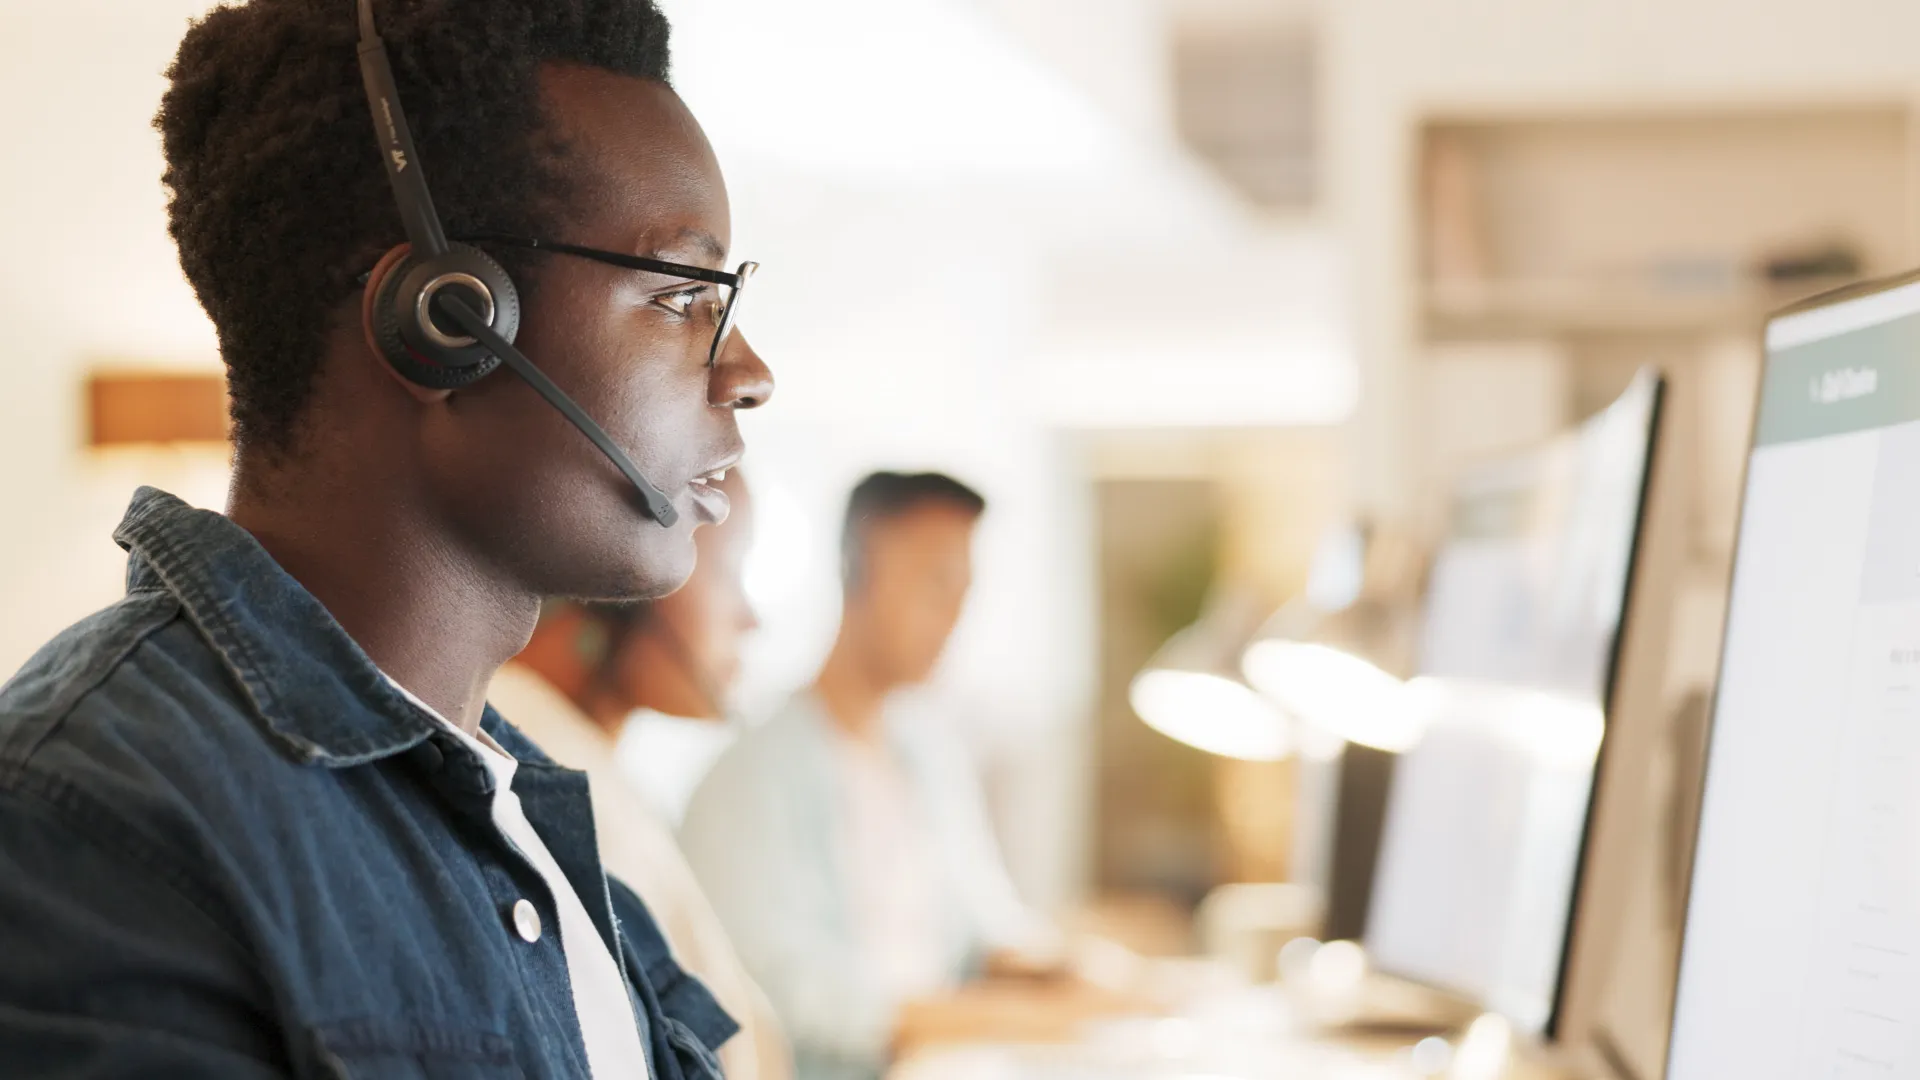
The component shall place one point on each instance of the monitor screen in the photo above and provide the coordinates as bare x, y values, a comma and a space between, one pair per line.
1802, 926
1485, 823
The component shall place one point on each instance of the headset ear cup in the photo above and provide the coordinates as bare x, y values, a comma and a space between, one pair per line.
398, 318
370, 302
383, 325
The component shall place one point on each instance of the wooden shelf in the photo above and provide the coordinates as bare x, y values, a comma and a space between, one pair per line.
1653, 223
1573, 306
1551, 255
144, 408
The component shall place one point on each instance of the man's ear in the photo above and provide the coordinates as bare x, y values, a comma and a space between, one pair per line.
385, 266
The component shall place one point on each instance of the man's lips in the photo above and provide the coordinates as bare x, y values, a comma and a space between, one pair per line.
709, 501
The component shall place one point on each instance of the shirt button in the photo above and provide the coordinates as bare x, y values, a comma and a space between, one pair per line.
526, 921
429, 757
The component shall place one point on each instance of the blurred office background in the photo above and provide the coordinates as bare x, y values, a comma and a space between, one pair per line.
1182, 285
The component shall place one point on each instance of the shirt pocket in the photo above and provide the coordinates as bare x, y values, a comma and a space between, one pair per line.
382, 1048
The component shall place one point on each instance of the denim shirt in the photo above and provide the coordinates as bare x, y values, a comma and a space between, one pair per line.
229, 847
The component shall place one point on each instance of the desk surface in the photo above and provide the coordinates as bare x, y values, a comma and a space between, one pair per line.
1244, 1033
1250, 1061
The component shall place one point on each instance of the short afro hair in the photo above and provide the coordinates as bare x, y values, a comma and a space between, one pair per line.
883, 496
279, 202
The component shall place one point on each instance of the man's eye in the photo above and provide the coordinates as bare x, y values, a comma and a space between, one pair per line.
682, 302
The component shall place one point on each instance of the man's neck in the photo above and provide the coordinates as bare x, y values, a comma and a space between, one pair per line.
852, 694
429, 618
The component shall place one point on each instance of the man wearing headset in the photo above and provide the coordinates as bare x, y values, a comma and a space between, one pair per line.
256, 819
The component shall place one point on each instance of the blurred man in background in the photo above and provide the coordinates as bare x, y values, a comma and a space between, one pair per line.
593, 670
845, 844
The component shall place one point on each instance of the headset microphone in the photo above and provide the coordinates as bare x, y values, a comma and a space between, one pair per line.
446, 315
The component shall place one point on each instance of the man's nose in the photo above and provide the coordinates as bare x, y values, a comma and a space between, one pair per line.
740, 379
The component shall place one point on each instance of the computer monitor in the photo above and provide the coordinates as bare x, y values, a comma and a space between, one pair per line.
1616, 985
1364, 777
1619, 996
1487, 818
1802, 930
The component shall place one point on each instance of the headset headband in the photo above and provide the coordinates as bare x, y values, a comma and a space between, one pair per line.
402, 161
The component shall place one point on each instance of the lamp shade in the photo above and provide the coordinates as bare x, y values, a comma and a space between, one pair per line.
1192, 691
1337, 691
1329, 657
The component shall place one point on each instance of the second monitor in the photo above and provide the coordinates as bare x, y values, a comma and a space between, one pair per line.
1480, 854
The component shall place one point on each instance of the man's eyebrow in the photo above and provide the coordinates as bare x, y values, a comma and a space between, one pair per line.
708, 244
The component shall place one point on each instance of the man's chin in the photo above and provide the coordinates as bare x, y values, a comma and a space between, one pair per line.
644, 571
662, 575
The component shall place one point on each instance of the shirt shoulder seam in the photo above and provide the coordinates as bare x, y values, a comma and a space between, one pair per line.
142, 628
90, 819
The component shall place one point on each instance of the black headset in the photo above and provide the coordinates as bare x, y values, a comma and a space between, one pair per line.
446, 315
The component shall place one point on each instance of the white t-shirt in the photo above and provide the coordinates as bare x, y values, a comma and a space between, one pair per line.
893, 877
607, 1023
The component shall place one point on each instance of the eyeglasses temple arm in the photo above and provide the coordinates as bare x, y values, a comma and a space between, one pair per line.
614, 258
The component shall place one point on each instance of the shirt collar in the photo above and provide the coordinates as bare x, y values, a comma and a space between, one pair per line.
497, 759
318, 693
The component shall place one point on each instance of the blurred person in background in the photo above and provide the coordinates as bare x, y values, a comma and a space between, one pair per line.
846, 843
256, 818
592, 671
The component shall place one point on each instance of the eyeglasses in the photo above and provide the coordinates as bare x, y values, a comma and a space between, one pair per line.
725, 309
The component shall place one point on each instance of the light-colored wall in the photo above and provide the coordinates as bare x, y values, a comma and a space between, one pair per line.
88, 275
1115, 51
